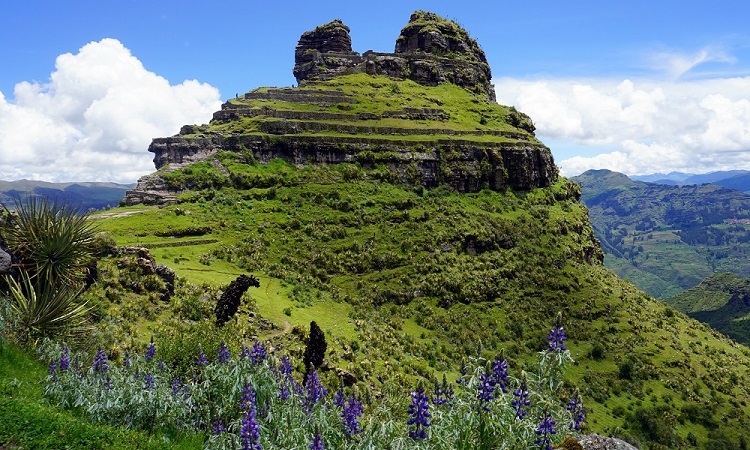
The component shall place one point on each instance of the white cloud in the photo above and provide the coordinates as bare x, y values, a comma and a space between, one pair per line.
639, 126
676, 64
94, 119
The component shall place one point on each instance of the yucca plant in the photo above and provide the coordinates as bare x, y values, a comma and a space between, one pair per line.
52, 241
46, 310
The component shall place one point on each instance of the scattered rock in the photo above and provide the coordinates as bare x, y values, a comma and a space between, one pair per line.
596, 442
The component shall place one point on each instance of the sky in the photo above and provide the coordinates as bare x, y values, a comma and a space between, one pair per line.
638, 87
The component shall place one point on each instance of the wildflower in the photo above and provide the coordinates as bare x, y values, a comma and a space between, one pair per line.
500, 373
176, 385
257, 353
352, 410
575, 406
419, 415
545, 430
108, 384
250, 431
338, 398
521, 400
52, 368
556, 338
65, 360
148, 382
314, 390
202, 359
100, 362
443, 392
317, 442
286, 380
224, 354
247, 398
150, 351
218, 426
486, 389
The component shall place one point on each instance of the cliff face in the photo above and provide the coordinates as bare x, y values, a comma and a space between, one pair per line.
426, 112
430, 50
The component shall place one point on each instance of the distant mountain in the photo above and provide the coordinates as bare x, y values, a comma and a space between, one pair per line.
739, 182
681, 179
81, 195
722, 301
664, 238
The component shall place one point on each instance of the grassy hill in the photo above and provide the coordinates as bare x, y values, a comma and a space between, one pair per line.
409, 282
722, 301
667, 238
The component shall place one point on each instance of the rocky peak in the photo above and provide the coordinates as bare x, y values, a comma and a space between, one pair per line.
429, 33
331, 37
430, 50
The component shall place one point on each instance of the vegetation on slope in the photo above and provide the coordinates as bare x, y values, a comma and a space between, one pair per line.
664, 238
417, 280
722, 301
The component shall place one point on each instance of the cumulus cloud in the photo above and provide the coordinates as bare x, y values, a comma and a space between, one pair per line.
94, 119
639, 126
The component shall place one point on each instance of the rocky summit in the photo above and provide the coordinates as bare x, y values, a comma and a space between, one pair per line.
426, 112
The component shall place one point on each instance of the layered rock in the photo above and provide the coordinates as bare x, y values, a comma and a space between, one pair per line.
430, 50
366, 120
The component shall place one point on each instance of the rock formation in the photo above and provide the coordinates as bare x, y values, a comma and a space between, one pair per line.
430, 50
339, 114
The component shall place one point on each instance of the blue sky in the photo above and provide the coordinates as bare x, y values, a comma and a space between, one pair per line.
635, 86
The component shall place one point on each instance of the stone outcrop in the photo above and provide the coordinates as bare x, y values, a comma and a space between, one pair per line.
421, 141
430, 50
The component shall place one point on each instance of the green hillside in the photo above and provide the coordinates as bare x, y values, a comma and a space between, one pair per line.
664, 238
722, 301
420, 226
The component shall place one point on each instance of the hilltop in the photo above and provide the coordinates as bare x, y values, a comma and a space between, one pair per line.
420, 224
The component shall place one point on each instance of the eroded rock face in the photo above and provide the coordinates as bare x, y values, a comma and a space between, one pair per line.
430, 50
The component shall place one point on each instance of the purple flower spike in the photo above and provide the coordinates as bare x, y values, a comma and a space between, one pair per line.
545, 430
148, 382
150, 351
317, 442
100, 362
314, 391
556, 338
202, 359
224, 354
353, 409
65, 360
500, 373
520, 401
257, 353
419, 415
218, 426
250, 431
575, 406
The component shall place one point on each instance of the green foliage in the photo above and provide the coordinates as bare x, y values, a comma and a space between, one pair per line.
664, 238
52, 241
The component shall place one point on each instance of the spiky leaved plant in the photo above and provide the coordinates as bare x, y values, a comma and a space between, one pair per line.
52, 241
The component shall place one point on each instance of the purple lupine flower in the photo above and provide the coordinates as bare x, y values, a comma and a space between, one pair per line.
443, 393
463, 371
257, 353
556, 338
64, 363
176, 385
545, 430
338, 398
314, 391
202, 359
317, 442
486, 389
100, 362
148, 382
150, 351
419, 414
520, 401
286, 379
250, 431
247, 398
224, 354
575, 406
218, 426
352, 410
52, 368
500, 373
